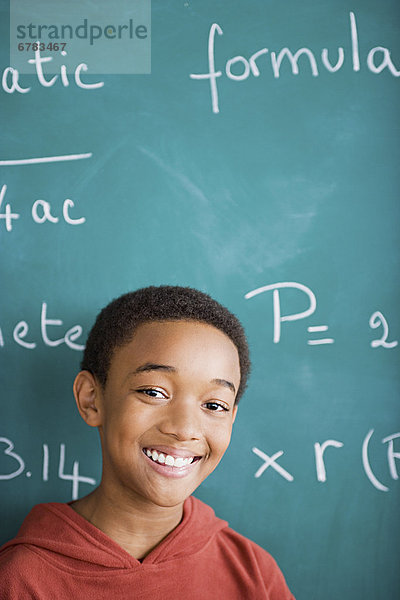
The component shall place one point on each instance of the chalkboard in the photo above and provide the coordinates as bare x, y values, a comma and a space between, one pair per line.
253, 152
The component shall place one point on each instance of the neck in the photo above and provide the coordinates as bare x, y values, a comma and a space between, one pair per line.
138, 527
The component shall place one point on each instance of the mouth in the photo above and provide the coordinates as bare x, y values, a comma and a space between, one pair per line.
170, 465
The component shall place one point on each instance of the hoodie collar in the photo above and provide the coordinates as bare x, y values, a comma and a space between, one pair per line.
57, 528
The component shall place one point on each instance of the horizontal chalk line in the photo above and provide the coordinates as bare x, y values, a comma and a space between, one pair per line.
44, 159
323, 341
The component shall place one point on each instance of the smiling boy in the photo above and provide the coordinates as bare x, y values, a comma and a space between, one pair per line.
162, 373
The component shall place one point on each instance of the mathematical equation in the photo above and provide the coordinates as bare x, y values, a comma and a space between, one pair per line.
376, 320
41, 212
16, 467
319, 451
20, 331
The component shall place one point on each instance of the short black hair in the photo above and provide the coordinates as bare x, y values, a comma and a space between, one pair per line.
116, 324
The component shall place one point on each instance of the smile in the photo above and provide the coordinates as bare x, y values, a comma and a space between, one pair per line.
171, 466
168, 460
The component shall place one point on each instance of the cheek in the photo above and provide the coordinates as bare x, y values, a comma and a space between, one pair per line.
125, 420
221, 439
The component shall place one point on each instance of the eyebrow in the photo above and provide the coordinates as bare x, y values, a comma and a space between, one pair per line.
225, 383
153, 367
168, 369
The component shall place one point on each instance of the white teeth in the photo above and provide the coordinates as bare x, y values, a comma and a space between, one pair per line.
169, 460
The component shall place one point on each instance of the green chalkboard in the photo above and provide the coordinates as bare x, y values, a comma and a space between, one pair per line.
252, 152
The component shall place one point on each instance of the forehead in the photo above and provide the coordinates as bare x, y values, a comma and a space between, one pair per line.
186, 345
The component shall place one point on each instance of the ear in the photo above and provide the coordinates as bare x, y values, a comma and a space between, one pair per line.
88, 398
235, 408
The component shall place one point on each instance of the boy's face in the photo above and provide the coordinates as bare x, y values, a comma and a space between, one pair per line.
170, 392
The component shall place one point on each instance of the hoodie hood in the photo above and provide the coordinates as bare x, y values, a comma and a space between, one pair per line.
74, 542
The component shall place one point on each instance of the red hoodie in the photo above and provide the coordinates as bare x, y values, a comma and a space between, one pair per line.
58, 555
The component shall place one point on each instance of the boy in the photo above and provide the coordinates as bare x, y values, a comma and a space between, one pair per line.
162, 373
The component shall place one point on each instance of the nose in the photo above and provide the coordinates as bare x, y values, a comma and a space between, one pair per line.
182, 420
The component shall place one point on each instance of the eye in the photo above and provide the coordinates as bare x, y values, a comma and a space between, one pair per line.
153, 393
216, 407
